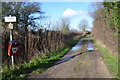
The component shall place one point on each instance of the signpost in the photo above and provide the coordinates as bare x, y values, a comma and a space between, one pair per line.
10, 26
10, 19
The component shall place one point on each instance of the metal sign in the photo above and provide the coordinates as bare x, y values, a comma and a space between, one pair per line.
10, 19
14, 49
10, 26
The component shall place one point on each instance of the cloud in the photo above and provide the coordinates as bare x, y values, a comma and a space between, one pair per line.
68, 13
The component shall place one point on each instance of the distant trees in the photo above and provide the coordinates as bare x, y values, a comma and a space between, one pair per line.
56, 26
83, 25
25, 13
62, 25
64, 28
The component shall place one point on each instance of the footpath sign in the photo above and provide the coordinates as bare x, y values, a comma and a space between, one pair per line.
10, 19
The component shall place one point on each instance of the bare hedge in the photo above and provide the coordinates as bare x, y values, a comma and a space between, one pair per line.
33, 43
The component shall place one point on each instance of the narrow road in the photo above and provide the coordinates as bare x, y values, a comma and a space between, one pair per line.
79, 62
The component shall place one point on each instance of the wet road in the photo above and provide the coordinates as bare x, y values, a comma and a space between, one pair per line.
82, 61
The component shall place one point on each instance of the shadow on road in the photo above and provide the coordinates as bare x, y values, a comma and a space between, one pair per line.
69, 58
82, 43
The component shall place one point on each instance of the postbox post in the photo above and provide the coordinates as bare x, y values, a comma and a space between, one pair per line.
11, 55
11, 38
11, 19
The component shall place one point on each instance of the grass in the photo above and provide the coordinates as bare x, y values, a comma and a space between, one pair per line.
37, 65
110, 59
89, 36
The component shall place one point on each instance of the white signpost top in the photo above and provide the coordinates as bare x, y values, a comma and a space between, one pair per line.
10, 19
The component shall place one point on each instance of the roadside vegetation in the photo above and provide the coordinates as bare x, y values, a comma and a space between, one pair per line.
110, 59
106, 24
106, 32
37, 65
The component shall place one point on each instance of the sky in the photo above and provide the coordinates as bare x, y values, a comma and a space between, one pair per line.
74, 11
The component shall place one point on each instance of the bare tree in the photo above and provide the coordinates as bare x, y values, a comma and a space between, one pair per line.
61, 25
83, 25
64, 26
47, 22
94, 7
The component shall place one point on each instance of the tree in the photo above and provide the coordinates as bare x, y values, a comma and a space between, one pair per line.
28, 14
64, 26
112, 11
47, 23
94, 7
25, 13
83, 25
55, 26
106, 23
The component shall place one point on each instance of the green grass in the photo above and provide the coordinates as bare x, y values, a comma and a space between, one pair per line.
110, 59
89, 36
37, 65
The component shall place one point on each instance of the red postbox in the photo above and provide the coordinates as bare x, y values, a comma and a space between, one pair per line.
13, 48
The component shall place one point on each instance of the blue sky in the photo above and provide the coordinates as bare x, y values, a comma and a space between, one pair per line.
75, 11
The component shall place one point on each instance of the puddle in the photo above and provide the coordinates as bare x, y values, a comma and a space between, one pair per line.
77, 46
89, 43
74, 48
90, 46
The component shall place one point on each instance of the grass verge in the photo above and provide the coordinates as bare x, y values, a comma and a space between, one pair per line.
37, 65
110, 59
